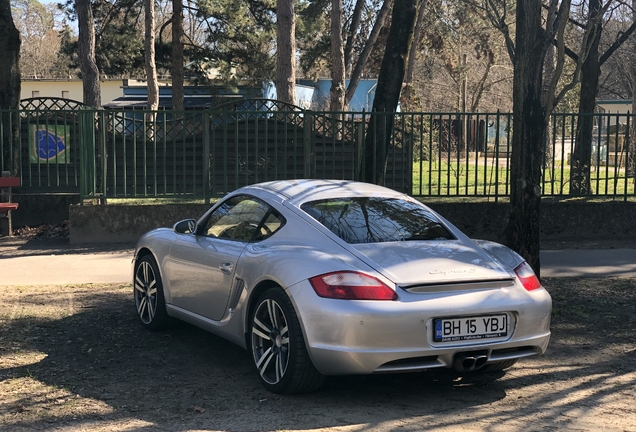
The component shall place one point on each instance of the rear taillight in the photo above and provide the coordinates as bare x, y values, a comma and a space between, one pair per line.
527, 277
348, 285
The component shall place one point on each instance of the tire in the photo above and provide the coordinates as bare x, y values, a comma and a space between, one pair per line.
497, 366
148, 293
278, 347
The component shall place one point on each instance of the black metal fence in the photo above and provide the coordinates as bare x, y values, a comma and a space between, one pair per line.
128, 153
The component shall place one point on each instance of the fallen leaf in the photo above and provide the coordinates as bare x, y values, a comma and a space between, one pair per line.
198, 409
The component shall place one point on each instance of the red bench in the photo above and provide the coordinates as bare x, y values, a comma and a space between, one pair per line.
6, 206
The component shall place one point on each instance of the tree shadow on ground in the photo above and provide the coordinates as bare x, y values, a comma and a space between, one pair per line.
11, 247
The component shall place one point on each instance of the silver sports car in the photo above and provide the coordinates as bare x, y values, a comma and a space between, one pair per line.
325, 277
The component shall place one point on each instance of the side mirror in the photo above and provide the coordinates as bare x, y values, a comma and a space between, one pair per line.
187, 226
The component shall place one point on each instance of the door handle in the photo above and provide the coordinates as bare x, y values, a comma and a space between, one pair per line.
227, 267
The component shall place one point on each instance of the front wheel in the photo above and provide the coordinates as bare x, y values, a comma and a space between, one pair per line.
278, 346
148, 292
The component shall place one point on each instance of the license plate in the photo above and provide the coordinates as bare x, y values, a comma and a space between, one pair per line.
470, 328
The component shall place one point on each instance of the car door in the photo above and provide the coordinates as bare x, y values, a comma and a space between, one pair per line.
200, 268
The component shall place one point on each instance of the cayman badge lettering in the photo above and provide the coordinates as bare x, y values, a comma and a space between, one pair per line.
447, 272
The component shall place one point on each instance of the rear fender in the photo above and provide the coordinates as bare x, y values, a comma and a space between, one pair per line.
500, 253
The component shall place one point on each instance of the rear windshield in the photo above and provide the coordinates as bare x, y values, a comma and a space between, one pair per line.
373, 220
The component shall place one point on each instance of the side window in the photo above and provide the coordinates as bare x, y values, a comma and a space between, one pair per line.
241, 218
272, 223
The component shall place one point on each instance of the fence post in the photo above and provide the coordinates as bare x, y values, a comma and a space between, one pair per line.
87, 154
207, 180
497, 156
308, 120
360, 147
408, 147
103, 156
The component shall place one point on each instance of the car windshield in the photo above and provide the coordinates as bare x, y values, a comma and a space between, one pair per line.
373, 220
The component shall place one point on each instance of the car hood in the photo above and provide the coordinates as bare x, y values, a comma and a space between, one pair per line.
431, 262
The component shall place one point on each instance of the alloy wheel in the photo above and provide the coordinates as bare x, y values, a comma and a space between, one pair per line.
270, 341
145, 291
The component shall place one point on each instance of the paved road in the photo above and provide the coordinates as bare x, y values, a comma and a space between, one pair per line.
66, 269
588, 262
115, 267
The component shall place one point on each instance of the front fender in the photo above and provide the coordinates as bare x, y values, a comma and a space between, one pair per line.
158, 243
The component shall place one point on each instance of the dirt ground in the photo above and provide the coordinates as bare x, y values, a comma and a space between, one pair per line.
74, 358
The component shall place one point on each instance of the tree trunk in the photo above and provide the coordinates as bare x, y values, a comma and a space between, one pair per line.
91, 88
387, 94
149, 46
177, 56
86, 48
151, 68
631, 167
9, 88
353, 31
286, 55
590, 71
354, 79
337, 91
548, 73
463, 106
410, 66
529, 124
631, 149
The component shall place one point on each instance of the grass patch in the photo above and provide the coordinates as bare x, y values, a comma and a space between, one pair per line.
472, 177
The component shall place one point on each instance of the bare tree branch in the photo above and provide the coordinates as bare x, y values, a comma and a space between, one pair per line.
617, 43
366, 52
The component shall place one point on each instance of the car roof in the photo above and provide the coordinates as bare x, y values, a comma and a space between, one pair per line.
302, 190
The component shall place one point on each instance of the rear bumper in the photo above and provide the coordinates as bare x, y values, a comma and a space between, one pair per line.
363, 337
331, 362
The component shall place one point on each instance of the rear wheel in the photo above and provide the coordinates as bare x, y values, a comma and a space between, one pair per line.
148, 292
278, 346
497, 366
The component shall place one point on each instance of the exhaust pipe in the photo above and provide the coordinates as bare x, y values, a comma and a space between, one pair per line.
469, 361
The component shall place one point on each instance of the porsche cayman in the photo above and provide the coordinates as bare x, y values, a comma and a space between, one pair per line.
326, 277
